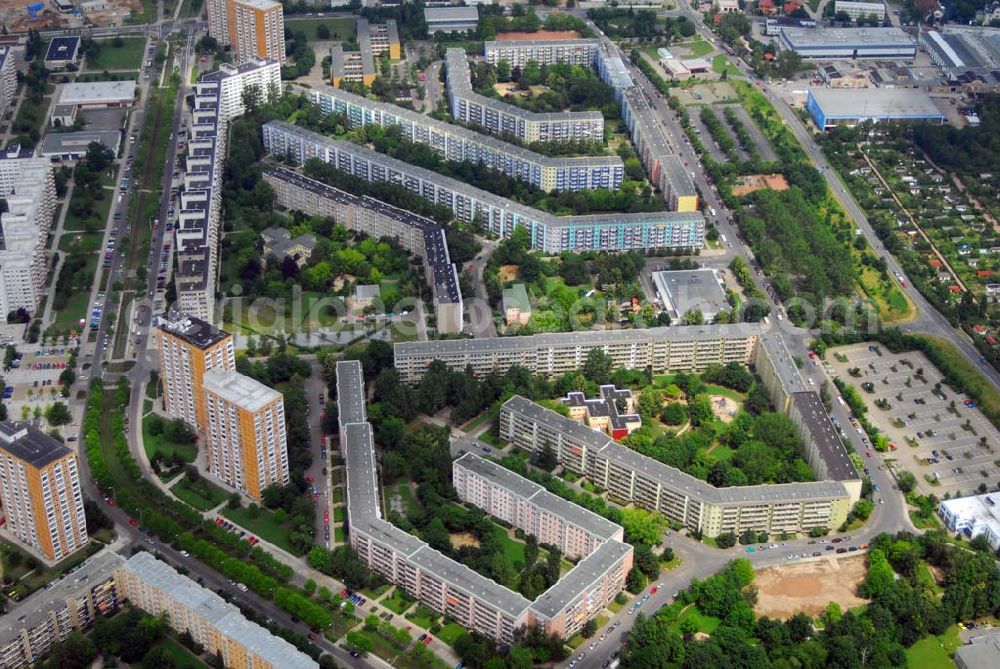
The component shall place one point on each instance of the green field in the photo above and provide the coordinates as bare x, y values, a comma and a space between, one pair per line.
338, 534
183, 658
705, 624
400, 494
200, 494
339, 514
340, 29
68, 318
157, 442
422, 616
126, 57
699, 48
934, 652
397, 602
264, 526
513, 549
82, 242
31, 117
449, 632
721, 66
99, 218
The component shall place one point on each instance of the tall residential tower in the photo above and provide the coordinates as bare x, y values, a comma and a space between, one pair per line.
40, 490
253, 28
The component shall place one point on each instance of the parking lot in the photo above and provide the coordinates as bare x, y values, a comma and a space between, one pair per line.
939, 435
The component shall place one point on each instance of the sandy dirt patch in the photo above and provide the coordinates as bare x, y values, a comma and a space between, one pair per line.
460, 539
541, 34
808, 587
724, 408
507, 273
755, 182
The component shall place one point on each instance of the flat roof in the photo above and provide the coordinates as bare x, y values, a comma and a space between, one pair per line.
63, 48
40, 605
528, 214
671, 476
814, 38
62, 143
541, 43
429, 349
221, 614
247, 393
460, 85
976, 510
831, 449
448, 14
692, 289
458, 576
390, 114
26, 442
191, 329
875, 102
585, 574
93, 92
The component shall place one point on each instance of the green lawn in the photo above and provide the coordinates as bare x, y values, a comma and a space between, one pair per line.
201, 494
706, 624
720, 453
147, 15
397, 602
264, 526
157, 442
183, 658
80, 242
721, 66
399, 495
934, 652
422, 616
339, 514
338, 534
126, 57
450, 632
68, 318
513, 549
699, 48
31, 116
340, 29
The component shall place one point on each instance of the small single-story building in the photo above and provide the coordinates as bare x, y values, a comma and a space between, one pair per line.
278, 242
851, 106
364, 296
516, 305
697, 65
613, 412
63, 115
451, 19
681, 291
62, 51
99, 94
70, 145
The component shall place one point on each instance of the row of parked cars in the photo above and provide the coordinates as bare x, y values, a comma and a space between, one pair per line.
230, 527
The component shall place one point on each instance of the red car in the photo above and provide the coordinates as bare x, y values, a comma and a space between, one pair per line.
218, 522
428, 640
868, 453
653, 591
312, 636
133, 522
812, 356
110, 501
309, 478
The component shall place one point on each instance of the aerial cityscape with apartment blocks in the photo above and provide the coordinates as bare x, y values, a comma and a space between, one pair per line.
494, 335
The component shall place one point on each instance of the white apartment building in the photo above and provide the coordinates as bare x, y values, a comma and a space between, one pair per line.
544, 52
524, 504
245, 429
218, 99
860, 9
8, 79
506, 120
28, 187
